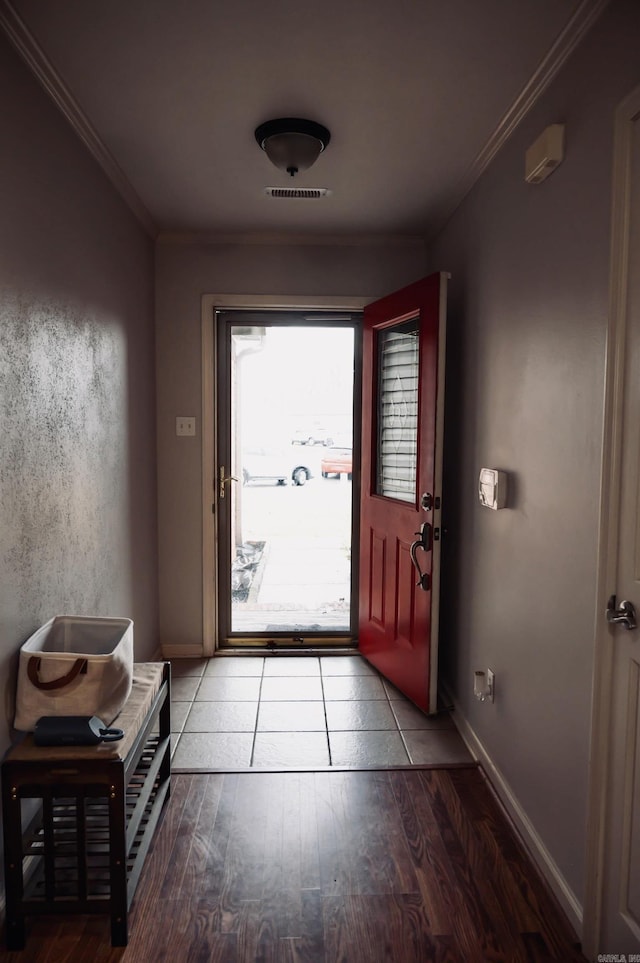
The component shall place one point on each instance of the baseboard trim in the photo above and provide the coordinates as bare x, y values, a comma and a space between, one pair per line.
194, 651
525, 828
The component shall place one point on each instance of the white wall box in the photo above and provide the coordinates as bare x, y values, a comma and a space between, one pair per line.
492, 488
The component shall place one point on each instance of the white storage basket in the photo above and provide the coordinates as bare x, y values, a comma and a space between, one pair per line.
75, 666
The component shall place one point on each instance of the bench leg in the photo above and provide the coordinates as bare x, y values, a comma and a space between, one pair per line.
119, 931
14, 936
14, 883
118, 859
165, 729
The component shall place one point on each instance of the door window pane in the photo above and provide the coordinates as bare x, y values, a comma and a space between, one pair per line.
397, 442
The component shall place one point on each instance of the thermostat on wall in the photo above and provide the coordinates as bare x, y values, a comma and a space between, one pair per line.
492, 488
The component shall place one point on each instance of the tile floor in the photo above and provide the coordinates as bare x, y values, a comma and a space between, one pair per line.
284, 712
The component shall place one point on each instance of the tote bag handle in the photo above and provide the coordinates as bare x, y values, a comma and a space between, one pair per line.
33, 668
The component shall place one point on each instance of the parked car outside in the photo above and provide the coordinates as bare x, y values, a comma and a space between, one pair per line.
316, 435
337, 461
277, 465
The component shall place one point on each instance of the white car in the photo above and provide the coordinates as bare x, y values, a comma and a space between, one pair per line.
274, 465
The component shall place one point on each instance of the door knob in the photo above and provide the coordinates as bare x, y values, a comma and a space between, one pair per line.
624, 614
224, 480
424, 542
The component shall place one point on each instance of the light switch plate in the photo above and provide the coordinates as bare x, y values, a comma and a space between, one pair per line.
185, 426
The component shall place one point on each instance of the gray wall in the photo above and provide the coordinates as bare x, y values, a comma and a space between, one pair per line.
529, 303
183, 274
77, 396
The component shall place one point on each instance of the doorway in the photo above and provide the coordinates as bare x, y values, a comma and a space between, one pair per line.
286, 462
397, 618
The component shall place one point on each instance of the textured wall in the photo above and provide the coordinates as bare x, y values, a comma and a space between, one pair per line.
529, 303
63, 391
77, 404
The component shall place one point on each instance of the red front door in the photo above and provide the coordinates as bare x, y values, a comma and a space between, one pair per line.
400, 529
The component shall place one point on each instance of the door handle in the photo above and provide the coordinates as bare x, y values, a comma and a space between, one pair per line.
224, 480
424, 542
624, 614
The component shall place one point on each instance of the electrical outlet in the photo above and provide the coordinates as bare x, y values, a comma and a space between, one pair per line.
185, 426
491, 685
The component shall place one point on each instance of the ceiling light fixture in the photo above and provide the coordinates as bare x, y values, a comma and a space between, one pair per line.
292, 144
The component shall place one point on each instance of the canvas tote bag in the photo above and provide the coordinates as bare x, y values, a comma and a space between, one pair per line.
75, 666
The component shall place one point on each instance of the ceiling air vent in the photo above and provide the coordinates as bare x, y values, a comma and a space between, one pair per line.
312, 192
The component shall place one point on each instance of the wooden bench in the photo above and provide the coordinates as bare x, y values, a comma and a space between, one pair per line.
78, 820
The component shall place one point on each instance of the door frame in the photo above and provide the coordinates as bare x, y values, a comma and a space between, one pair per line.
209, 305
609, 518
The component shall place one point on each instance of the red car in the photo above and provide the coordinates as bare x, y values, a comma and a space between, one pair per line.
337, 461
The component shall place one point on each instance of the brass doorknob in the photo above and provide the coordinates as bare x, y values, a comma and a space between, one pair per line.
224, 480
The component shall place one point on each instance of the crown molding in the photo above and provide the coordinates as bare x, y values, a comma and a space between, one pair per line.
572, 34
37, 61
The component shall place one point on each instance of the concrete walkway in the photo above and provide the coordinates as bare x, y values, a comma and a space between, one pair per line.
299, 585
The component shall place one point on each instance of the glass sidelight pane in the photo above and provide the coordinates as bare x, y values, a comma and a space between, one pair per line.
291, 509
397, 442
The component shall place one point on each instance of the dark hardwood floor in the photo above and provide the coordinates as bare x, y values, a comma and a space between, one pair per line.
405, 866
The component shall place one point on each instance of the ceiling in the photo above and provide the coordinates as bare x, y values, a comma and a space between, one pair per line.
418, 96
